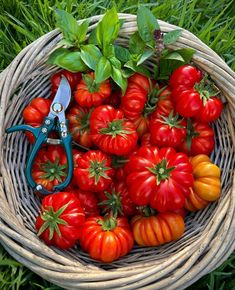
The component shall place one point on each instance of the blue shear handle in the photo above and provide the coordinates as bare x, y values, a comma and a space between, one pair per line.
34, 131
67, 143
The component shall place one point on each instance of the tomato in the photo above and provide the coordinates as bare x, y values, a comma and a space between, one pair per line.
199, 139
79, 125
141, 125
90, 94
168, 131
117, 200
88, 201
191, 95
73, 79
34, 114
106, 240
194, 202
61, 220
157, 229
110, 132
159, 178
50, 166
93, 171
164, 104
114, 99
146, 140
133, 102
210, 111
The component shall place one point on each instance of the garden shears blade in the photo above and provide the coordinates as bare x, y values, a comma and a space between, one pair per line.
55, 121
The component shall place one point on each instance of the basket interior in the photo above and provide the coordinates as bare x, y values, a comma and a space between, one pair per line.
25, 204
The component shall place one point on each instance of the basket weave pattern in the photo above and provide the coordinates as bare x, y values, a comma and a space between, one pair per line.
209, 237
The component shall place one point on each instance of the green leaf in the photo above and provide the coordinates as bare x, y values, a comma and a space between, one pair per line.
108, 28
122, 53
186, 53
119, 79
147, 54
174, 56
127, 72
147, 23
90, 54
136, 44
82, 31
109, 51
172, 36
67, 24
103, 70
92, 37
140, 69
115, 62
70, 60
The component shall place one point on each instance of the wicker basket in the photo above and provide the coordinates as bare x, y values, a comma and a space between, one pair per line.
209, 237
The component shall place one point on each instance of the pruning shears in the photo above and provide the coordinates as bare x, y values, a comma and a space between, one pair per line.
55, 121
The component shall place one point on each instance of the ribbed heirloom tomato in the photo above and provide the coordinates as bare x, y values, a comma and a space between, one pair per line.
94, 171
90, 94
159, 178
79, 125
61, 219
157, 229
34, 114
191, 96
110, 132
106, 239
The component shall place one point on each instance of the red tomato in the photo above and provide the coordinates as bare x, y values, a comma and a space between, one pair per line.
106, 240
110, 132
168, 131
146, 140
191, 95
61, 219
164, 104
199, 139
115, 99
141, 125
159, 178
73, 79
210, 111
94, 172
117, 200
50, 166
34, 114
158, 229
88, 202
79, 125
90, 94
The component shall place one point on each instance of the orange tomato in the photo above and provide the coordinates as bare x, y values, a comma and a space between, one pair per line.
157, 229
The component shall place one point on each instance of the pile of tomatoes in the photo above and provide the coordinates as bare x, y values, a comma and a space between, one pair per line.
140, 162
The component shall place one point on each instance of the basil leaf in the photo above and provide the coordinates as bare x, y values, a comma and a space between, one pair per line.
186, 53
147, 54
66, 59
140, 69
122, 53
67, 24
108, 28
136, 44
174, 56
171, 36
146, 23
119, 79
127, 72
103, 70
92, 37
82, 31
115, 62
108, 50
90, 55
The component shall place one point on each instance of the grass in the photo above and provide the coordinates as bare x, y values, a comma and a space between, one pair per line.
23, 21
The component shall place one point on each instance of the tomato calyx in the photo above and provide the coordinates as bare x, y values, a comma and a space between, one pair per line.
84, 121
92, 86
108, 224
205, 90
118, 161
97, 170
161, 171
152, 100
52, 220
190, 134
146, 210
172, 120
53, 170
113, 203
115, 128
